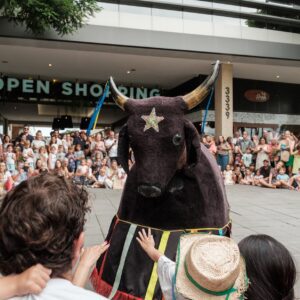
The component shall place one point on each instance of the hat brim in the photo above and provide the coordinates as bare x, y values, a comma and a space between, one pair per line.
184, 287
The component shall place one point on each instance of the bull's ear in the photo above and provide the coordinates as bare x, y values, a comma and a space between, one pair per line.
192, 141
123, 148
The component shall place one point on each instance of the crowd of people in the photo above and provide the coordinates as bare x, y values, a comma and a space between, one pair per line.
271, 161
88, 160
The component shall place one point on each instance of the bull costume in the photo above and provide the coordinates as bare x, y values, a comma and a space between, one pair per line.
174, 187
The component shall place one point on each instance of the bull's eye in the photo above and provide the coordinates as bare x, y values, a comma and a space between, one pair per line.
177, 139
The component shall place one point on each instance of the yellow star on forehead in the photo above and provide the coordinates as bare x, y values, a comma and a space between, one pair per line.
152, 121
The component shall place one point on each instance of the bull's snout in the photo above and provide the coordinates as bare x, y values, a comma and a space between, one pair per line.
149, 191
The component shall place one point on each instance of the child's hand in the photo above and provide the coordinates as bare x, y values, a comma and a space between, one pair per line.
33, 280
90, 255
147, 243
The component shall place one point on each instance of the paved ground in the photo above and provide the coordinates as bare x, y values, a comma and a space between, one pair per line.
253, 210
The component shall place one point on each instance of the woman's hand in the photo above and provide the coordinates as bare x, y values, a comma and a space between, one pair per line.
90, 255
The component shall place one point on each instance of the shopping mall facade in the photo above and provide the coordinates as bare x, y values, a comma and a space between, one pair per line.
159, 48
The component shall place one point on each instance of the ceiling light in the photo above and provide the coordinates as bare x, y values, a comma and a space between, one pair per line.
50, 65
277, 76
229, 62
131, 70
54, 80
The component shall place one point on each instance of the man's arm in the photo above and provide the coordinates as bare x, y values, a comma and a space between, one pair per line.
31, 281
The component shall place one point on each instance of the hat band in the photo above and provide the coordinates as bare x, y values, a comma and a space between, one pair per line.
203, 289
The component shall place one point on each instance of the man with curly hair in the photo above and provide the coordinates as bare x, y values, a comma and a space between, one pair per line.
41, 222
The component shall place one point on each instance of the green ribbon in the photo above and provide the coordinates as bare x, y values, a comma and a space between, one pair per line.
197, 285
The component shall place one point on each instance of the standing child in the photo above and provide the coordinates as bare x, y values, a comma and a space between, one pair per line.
28, 154
247, 157
52, 158
60, 153
71, 159
78, 154
10, 159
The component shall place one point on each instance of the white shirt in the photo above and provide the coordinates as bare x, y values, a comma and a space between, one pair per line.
38, 144
113, 151
166, 272
64, 290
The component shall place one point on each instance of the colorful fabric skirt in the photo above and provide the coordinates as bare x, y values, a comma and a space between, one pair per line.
125, 272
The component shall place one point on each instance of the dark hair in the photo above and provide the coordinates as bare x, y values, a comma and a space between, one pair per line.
39, 221
270, 268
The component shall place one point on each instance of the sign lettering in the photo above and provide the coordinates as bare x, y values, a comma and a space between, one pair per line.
44, 88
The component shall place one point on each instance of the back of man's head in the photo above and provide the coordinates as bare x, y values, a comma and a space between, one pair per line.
39, 222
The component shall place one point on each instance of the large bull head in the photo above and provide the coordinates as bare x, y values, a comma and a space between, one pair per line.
160, 137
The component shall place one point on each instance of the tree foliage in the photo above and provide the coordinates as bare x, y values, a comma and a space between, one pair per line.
64, 16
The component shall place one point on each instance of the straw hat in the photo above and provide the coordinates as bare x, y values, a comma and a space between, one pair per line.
209, 267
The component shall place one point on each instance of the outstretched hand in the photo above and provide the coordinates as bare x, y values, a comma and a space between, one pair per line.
90, 255
146, 241
88, 259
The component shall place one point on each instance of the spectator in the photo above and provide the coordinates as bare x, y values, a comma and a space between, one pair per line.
248, 179
282, 179
38, 142
67, 142
270, 268
284, 146
270, 183
71, 159
231, 146
53, 235
6, 142
28, 154
25, 135
265, 169
245, 143
52, 157
257, 178
236, 138
98, 145
82, 172
111, 145
78, 154
60, 153
237, 174
19, 175
228, 176
295, 181
223, 149
6, 181
10, 159
247, 158
296, 161
262, 151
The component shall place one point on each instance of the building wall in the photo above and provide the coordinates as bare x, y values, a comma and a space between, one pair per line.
147, 18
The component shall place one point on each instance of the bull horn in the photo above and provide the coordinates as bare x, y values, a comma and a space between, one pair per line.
118, 97
195, 97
